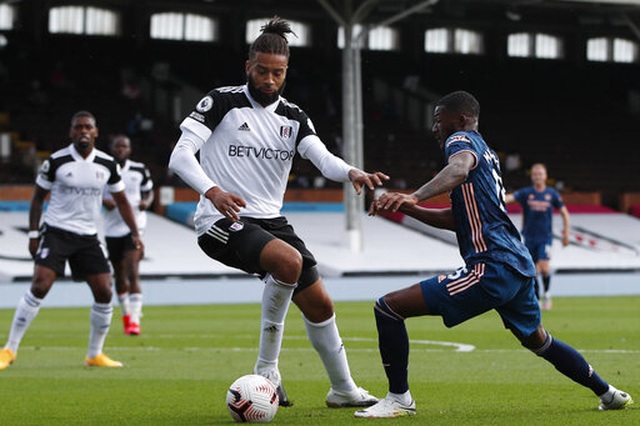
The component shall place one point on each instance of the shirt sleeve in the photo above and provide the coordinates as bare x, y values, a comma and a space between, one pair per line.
147, 183
115, 182
46, 175
520, 196
116, 187
183, 161
331, 166
557, 200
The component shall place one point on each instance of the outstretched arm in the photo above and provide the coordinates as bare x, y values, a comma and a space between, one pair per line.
335, 168
452, 175
509, 198
360, 179
438, 218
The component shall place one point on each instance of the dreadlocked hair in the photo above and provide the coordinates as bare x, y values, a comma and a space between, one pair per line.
461, 101
273, 38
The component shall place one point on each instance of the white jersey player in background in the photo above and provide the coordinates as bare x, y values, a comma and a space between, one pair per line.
247, 137
76, 177
122, 253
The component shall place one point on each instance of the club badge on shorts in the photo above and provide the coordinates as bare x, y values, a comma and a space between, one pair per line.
236, 226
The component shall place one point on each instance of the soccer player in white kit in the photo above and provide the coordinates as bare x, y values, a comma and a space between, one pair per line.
247, 137
76, 177
122, 253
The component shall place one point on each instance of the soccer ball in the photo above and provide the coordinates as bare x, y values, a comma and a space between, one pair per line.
252, 399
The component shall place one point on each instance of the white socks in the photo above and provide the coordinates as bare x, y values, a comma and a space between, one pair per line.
401, 398
325, 339
28, 308
608, 395
276, 298
26, 311
135, 307
125, 307
101, 314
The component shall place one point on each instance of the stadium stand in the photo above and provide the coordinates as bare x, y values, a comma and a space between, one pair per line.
544, 110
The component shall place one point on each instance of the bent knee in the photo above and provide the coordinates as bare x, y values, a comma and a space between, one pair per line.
282, 261
407, 302
536, 341
315, 303
318, 314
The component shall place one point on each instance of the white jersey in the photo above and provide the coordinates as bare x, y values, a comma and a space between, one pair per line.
76, 186
137, 179
248, 150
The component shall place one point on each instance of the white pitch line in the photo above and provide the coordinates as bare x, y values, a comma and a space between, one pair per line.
459, 348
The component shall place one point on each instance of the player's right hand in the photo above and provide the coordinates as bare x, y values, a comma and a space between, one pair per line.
109, 204
227, 203
391, 202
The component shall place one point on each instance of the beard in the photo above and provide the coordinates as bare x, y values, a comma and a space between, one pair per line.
83, 145
262, 98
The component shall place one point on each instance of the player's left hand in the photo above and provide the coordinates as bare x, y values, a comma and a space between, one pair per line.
139, 245
370, 180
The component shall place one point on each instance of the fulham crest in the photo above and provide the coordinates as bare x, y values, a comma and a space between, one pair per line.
285, 132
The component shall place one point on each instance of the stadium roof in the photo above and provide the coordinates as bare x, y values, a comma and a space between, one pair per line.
613, 16
437, 8
608, 14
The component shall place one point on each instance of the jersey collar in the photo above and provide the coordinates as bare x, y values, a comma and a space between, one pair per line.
76, 155
126, 165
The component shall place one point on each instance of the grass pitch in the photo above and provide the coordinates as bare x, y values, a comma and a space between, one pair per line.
177, 371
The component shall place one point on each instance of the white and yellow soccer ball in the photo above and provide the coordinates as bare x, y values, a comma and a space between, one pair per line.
252, 399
